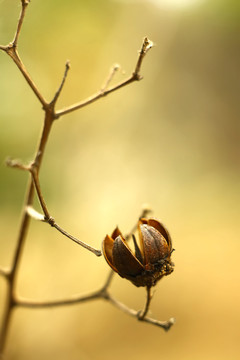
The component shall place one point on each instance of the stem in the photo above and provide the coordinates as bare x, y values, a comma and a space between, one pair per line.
166, 325
67, 67
12, 52
10, 298
56, 303
145, 310
20, 21
79, 242
112, 72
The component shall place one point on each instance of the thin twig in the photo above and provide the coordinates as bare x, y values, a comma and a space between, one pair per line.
112, 72
79, 242
17, 164
35, 178
50, 220
56, 303
33, 169
67, 67
20, 22
147, 44
100, 294
11, 50
163, 324
143, 314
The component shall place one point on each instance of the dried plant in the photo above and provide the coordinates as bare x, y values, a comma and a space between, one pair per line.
159, 239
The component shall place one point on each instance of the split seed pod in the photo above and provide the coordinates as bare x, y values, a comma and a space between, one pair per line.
152, 258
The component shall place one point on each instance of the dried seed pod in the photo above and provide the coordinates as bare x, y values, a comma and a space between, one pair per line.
152, 258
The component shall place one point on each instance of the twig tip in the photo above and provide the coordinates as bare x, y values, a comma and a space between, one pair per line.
147, 44
98, 253
68, 65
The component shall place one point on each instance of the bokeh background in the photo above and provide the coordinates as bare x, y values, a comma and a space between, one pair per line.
171, 140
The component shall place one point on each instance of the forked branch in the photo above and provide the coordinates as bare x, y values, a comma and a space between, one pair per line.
33, 169
12, 299
104, 294
146, 46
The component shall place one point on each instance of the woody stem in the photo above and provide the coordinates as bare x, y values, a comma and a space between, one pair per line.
146, 308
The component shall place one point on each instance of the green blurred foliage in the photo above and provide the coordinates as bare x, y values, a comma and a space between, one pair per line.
171, 140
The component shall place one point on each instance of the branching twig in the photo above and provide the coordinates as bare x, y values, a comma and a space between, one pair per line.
12, 300
101, 294
163, 324
33, 169
147, 44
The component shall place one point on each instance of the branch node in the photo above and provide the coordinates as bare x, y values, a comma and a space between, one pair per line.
50, 220
36, 162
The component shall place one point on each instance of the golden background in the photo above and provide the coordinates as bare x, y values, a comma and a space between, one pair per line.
171, 140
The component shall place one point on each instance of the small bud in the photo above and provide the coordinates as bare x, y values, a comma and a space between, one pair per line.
152, 258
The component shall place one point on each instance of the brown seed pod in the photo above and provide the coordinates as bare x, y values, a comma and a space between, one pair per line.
152, 258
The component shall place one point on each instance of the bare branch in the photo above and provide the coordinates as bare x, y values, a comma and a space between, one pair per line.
12, 52
112, 72
20, 21
67, 67
143, 314
163, 324
34, 184
55, 303
35, 178
147, 44
166, 325
33, 169
17, 164
101, 294
79, 242
50, 220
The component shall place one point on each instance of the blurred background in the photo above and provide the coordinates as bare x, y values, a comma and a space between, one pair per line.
171, 140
